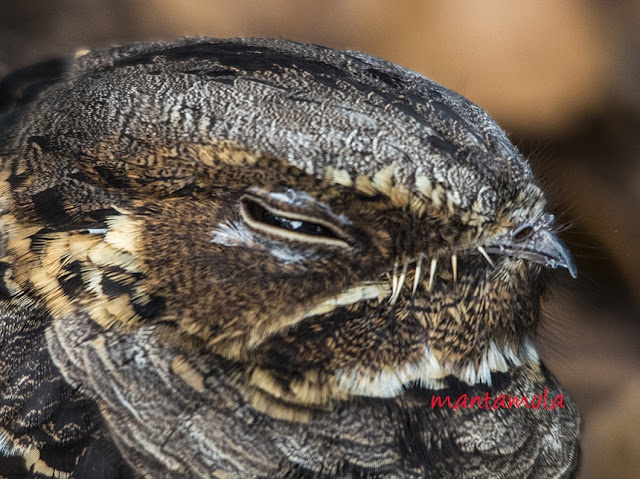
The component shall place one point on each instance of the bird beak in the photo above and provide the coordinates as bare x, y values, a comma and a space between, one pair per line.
542, 246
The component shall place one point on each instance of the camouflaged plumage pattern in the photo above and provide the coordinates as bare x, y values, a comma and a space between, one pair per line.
150, 328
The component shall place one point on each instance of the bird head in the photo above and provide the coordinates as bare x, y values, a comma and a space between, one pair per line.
331, 223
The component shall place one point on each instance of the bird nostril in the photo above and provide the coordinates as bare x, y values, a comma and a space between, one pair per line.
522, 233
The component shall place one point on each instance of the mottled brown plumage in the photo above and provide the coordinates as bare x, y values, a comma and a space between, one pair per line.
259, 258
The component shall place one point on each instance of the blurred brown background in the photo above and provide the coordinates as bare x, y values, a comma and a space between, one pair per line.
561, 76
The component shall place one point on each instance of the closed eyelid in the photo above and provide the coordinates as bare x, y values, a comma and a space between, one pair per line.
294, 225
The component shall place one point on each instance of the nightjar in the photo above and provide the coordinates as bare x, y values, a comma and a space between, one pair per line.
256, 258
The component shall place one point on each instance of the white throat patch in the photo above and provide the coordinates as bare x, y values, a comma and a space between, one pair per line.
430, 372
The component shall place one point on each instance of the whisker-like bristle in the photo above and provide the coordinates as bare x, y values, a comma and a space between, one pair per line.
454, 267
418, 272
432, 272
394, 281
403, 276
484, 253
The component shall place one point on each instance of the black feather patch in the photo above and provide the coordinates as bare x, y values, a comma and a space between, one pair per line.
71, 279
151, 309
49, 206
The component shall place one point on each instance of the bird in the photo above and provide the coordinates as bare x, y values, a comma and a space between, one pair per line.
260, 258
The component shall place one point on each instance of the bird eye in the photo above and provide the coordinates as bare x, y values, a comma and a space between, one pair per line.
522, 233
292, 226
